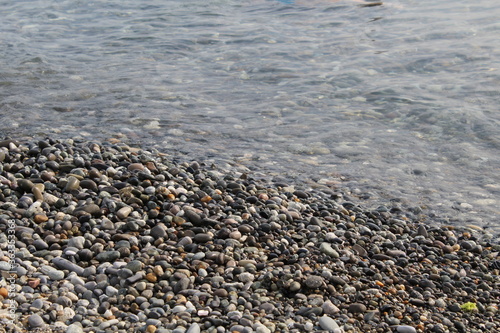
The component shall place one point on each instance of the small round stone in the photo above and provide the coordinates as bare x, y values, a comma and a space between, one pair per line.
314, 281
35, 321
357, 308
246, 277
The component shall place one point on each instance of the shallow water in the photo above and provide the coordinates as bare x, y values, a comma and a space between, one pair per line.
400, 98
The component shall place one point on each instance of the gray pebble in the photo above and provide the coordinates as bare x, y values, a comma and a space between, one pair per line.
329, 308
357, 308
338, 280
328, 323
182, 284
134, 266
314, 281
53, 273
159, 231
422, 231
35, 321
193, 217
74, 328
38, 303
406, 329
111, 291
327, 249
68, 265
77, 242
4, 266
295, 286
40, 244
246, 277
108, 256
202, 238
194, 328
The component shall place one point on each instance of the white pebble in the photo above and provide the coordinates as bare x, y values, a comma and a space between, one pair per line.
406, 329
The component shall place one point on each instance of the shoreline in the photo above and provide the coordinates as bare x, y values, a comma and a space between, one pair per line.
120, 239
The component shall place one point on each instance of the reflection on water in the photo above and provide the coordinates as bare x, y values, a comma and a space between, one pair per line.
401, 98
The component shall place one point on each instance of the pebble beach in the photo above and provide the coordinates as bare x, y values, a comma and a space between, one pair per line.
105, 237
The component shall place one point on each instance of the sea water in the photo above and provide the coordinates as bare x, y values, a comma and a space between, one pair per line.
396, 100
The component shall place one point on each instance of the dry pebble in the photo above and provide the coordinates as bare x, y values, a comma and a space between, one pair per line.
114, 238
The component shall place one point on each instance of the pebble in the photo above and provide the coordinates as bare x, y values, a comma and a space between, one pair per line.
329, 308
53, 273
357, 308
62, 263
159, 231
314, 282
5, 266
77, 242
328, 250
35, 321
108, 256
246, 277
328, 323
124, 212
406, 329
74, 328
194, 328
72, 184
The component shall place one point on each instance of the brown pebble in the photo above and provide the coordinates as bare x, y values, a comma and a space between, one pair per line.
221, 292
206, 198
151, 277
39, 218
151, 329
135, 166
3, 292
34, 283
151, 166
37, 192
263, 196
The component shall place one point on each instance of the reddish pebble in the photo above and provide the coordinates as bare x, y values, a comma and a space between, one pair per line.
34, 283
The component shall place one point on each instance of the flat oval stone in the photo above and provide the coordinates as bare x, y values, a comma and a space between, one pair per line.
53, 273
327, 249
73, 184
63, 263
35, 321
89, 184
314, 281
328, 323
193, 217
338, 280
246, 277
406, 329
108, 256
124, 212
194, 328
134, 266
135, 166
357, 308
202, 238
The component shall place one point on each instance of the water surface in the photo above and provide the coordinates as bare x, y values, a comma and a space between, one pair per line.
401, 99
